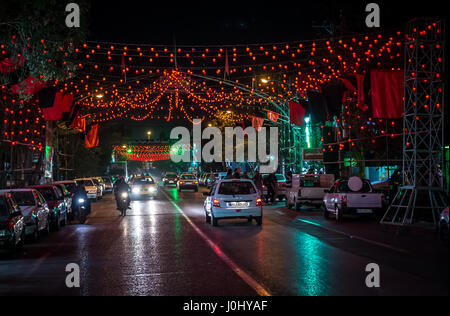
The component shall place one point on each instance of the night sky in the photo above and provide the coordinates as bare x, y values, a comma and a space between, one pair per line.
233, 22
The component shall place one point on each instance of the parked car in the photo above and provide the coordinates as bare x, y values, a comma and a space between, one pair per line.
90, 187
34, 210
308, 190
67, 196
109, 184
12, 223
233, 198
170, 178
189, 182
56, 204
443, 227
352, 196
142, 187
99, 186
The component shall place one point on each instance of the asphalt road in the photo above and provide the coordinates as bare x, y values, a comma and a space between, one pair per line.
164, 247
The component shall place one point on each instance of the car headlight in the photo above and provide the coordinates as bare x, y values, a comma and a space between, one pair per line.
81, 201
124, 195
152, 189
136, 189
4, 233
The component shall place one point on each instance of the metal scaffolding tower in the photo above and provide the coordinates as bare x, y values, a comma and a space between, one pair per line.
422, 195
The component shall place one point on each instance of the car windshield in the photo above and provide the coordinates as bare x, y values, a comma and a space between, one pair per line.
188, 177
280, 177
143, 181
3, 208
95, 181
24, 198
237, 188
106, 180
87, 183
171, 175
70, 186
48, 194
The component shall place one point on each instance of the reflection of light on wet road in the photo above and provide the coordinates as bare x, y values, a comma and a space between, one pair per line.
312, 273
140, 223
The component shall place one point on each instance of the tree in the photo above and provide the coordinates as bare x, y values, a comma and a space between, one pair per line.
36, 31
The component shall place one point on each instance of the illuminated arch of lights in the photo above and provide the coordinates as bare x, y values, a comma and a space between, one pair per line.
149, 152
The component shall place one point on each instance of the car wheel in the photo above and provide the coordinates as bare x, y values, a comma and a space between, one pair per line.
46, 230
214, 221
35, 235
207, 218
326, 214
338, 213
259, 220
443, 233
56, 224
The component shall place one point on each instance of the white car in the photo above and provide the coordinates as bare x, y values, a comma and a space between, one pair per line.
233, 198
352, 196
188, 182
142, 187
90, 187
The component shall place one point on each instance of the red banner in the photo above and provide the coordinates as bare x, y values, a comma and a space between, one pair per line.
273, 116
29, 86
92, 139
55, 113
297, 113
387, 93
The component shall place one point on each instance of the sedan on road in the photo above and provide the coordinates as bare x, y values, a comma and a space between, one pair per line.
188, 182
233, 198
34, 210
12, 223
143, 187
171, 178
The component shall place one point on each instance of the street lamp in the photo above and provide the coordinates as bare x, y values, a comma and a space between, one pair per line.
149, 134
265, 81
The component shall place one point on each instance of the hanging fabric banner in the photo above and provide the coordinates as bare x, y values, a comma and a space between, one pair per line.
273, 116
297, 113
257, 123
92, 139
29, 86
55, 113
387, 93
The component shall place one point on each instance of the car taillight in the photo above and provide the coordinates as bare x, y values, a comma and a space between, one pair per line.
216, 203
181, 182
259, 202
165, 179
344, 200
196, 182
383, 198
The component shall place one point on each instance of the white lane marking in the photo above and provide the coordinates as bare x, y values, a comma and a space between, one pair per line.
240, 272
279, 212
354, 237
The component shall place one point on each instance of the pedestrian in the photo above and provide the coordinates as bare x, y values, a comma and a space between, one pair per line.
237, 173
258, 180
245, 176
394, 182
271, 188
229, 174
289, 179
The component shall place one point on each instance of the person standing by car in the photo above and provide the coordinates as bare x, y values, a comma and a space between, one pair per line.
271, 188
289, 179
229, 174
237, 173
258, 180
394, 183
245, 176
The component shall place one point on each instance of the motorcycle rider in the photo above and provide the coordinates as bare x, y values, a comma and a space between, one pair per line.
80, 193
119, 187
